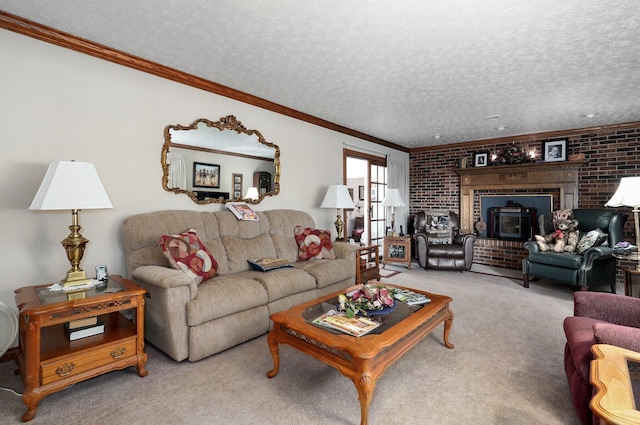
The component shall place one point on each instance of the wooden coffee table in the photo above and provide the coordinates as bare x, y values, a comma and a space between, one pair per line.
362, 359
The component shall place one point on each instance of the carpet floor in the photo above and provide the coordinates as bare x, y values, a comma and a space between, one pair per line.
506, 368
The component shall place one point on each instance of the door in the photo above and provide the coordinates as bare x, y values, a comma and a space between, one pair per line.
366, 176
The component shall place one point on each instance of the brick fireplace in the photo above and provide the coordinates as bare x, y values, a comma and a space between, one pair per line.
558, 179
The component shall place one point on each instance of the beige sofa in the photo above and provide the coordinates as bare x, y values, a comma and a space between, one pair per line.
189, 321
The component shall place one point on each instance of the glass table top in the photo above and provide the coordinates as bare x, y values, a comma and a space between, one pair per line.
634, 376
401, 312
48, 296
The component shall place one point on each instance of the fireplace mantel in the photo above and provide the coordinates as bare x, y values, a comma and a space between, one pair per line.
538, 176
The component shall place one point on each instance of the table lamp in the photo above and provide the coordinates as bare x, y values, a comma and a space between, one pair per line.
337, 196
75, 186
393, 199
252, 193
628, 195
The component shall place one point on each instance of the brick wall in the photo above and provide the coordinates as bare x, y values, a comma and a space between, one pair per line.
612, 152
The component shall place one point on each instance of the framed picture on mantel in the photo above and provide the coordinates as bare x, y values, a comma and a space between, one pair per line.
554, 150
481, 159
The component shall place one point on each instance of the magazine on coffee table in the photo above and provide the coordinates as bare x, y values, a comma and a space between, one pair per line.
355, 326
410, 297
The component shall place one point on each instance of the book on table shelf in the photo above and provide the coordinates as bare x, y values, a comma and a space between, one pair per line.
410, 297
84, 331
81, 323
354, 326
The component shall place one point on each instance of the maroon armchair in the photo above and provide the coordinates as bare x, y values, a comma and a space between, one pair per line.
599, 318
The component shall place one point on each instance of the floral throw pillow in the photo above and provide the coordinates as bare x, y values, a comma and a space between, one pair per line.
593, 238
313, 244
186, 252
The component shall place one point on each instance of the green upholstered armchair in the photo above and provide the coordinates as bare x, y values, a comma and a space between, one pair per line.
595, 267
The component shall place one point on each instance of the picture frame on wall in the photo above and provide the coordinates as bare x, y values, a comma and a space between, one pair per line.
554, 150
481, 159
237, 185
206, 175
361, 193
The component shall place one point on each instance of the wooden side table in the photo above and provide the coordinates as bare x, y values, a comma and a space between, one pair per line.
367, 264
49, 362
397, 249
631, 282
614, 373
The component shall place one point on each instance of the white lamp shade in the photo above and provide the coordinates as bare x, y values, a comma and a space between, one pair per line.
337, 196
71, 185
628, 193
393, 199
252, 193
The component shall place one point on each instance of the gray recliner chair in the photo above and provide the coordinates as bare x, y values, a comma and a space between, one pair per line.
594, 267
439, 244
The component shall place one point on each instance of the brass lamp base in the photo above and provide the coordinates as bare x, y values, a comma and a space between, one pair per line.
76, 278
339, 227
74, 246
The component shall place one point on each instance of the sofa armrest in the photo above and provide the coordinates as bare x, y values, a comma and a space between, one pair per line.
168, 291
597, 253
612, 308
467, 242
465, 239
421, 245
531, 246
345, 250
620, 336
165, 278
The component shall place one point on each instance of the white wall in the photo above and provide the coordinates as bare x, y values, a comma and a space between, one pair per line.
60, 105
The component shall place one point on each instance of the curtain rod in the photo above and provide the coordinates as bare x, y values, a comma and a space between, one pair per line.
377, 153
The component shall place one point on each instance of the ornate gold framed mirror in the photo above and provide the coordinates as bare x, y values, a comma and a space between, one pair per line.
218, 162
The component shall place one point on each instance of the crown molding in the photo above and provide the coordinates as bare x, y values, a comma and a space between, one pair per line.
51, 35
532, 137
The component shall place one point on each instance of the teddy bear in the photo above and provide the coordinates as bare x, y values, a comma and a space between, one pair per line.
564, 239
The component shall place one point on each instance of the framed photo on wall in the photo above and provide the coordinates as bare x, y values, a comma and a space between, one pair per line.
237, 185
554, 150
481, 159
206, 175
361, 193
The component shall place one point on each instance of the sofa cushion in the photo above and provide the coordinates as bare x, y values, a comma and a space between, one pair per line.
284, 282
239, 250
328, 272
593, 238
447, 250
225, 295
580, 338
313, 244
186, 252
286, 247
562, 259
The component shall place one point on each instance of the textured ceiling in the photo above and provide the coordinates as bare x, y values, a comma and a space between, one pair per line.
415, 73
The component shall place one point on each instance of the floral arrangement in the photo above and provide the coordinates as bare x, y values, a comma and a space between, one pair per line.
369, 297
512, 154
